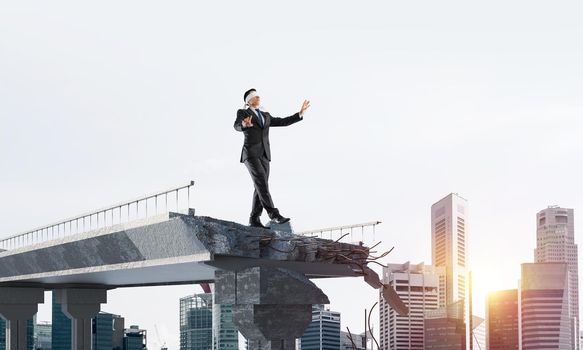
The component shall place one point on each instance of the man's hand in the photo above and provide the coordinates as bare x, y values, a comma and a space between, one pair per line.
305, 106
247, 123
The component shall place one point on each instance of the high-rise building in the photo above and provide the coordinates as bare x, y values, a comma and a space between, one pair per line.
102, 332
61, 329
118, 332
134, 338
106, 331
196, 322
555, 242
358, 342
546, 322
502, 320
445, 329
225, 334
29, 333
449, 241
206, 326
324, 330
449, 246
417, 286
478, 333
42, 336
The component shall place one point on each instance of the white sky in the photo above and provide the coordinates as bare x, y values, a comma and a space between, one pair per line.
410, 101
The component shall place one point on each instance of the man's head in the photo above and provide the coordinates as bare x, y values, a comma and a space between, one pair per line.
252, 98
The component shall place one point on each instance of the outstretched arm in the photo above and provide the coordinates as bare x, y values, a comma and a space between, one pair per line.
242, 121
291, 119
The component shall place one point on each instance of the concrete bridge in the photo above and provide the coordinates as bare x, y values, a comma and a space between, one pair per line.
262, 273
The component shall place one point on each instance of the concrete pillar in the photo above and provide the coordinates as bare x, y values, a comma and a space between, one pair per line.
271, 307
17, 306
81, 305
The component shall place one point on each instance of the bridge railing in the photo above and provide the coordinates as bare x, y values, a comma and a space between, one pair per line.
175, 198
354, 231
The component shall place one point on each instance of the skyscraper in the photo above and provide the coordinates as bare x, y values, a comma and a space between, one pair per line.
42, 336
29, 333
134, 338
544, 307
555, 242
206, 326
102, 336
444, 328
449, 246
324, 330
417, 286
196, 322
106, 332
502, 320
225, 334
358, 341
61, 329
478, 333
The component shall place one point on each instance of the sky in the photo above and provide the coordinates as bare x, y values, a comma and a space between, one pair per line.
101, 102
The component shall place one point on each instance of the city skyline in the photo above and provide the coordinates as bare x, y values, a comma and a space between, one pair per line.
410, 102
551, 230
538, 256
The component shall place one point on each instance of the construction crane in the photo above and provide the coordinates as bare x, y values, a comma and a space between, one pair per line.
163, 347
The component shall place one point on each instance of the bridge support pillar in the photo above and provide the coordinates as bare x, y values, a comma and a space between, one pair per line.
271, 307
81, 305
17, 306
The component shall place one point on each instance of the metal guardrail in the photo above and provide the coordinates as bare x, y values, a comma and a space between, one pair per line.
138, 208
342, 230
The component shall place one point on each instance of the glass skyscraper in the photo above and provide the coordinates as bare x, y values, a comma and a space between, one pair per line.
502, 318
323, 333
29, 334
206, 326
102, 331
225, 334
196, 322
134, 338
107, 331
42, 336
61, 330
444, 328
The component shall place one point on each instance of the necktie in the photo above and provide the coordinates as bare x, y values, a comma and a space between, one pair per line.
260, 117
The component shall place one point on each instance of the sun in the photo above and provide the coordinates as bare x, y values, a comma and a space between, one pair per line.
490, 278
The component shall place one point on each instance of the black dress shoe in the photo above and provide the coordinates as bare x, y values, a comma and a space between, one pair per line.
278, 219
255, 222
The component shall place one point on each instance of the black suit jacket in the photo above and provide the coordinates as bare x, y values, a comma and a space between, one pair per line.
257, 138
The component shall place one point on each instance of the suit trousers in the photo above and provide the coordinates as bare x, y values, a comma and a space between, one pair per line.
259, 171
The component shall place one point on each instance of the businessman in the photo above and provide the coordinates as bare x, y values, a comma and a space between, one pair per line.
256, 154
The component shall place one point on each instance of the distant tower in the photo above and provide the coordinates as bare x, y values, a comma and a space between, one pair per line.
61, 327
324, 330
196, 322
225, 334
544, 307
204, 325
555, 242
449, 246
502, 320
417, 286
445, 329
29, 333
